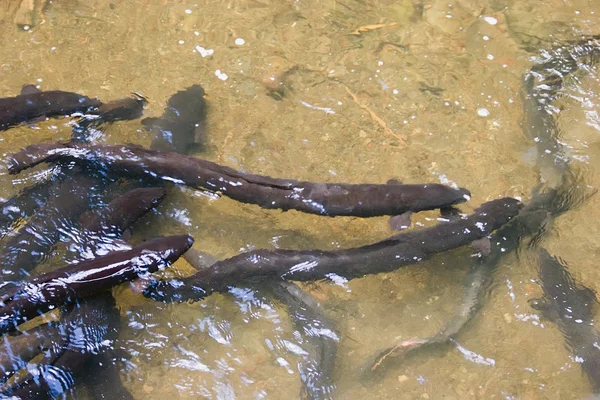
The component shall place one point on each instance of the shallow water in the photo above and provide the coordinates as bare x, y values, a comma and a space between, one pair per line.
347, 91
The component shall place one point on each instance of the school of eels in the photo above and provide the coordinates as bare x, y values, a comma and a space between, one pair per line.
95, 200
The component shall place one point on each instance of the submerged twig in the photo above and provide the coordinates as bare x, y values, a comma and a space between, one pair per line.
374, 116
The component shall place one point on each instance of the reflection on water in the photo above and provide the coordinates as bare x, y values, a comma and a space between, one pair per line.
341, 90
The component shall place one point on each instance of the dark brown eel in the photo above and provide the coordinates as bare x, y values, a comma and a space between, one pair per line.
330, 199
571, 306
305, 265
28, 106
32, 104
88, 278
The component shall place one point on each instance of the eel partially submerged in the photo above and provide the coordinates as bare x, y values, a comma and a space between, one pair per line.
88, 278
570, 306
320, 340
305, 265
542, 85
33, 104
329, 199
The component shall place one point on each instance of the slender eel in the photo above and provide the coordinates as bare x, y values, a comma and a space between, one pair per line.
32, 104
570, 306
387, 255
330, 199
88, 278
319, 337
28, 106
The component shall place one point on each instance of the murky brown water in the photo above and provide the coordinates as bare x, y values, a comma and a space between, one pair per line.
351, 91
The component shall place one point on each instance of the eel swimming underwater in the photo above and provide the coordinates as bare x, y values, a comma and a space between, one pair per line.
23, 204
320, 340
329, 199
86, 334
98, 228
33, 104
316, 331
88, 278
571, 307
306, 265
34, 241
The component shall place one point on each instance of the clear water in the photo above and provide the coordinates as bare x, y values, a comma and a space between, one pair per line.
336, 90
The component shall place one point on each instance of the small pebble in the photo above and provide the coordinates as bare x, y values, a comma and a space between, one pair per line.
490, 20
482, 112
240, 42
148, 389
221, 75
204, 52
